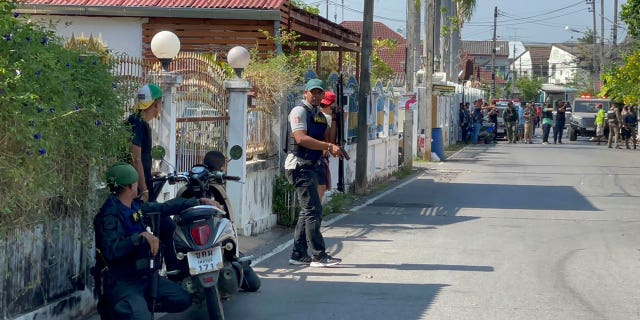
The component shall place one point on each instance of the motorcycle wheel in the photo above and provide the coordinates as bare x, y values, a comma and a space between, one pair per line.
250, 282
214, 303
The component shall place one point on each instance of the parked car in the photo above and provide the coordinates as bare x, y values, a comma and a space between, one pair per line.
582, 121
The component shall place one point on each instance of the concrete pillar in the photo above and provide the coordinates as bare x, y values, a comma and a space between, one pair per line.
167, 133
238, 89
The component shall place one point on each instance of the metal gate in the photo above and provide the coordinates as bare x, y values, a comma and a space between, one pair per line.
201, 101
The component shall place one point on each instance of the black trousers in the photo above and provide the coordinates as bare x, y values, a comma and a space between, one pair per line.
129, 300
307, 232
557, 131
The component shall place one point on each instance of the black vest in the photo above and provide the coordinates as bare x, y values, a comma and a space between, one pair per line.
316, 128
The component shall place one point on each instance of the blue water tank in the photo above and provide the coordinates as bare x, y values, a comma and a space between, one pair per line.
437, 144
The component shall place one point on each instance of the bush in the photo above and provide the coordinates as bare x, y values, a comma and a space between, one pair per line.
61, 117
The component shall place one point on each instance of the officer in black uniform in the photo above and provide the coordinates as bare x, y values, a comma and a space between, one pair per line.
307, 141
125, 247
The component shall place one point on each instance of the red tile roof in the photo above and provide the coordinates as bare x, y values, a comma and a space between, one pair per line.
204, 4
395, 57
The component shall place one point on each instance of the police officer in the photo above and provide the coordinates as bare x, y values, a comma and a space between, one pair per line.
613, 120
307, 140
124, 248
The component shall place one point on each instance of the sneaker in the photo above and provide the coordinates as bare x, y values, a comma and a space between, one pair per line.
300, 261
325, 261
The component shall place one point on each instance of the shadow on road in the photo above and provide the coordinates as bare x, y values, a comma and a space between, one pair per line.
448, 198
360, 299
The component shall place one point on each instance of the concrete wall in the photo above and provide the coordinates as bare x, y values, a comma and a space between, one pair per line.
121, 35
258, 218
382, 161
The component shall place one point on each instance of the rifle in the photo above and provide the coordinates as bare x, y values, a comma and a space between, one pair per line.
154, 278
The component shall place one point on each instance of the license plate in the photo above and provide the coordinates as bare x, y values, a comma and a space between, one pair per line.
204, 261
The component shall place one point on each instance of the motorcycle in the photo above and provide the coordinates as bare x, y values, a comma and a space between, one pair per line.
212, 268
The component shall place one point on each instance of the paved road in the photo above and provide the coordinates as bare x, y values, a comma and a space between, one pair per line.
498, 232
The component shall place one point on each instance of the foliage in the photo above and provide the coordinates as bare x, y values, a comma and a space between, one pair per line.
380, 70
273, 75
465, 10
339, 202
630, 14
302, 5
621, 83
61, 119
282, 198
529, 87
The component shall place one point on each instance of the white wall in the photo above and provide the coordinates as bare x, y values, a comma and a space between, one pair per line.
522, 67
565, 67
121, 35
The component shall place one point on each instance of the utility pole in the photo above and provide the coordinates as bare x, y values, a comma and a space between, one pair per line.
363, 95
327, 15
596, 72
513, 72
410, 63
492, 92
602, 59
429, 16
614, 48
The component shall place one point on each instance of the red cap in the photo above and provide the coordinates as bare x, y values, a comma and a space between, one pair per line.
329, 98
599, 105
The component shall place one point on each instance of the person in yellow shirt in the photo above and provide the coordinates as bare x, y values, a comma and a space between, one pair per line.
599, 123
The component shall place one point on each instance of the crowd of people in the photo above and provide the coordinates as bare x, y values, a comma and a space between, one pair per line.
520, 123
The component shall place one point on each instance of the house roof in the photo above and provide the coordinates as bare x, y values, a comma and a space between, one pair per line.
539, 53
204, 4
484, 48
394, 57
309, 26
571, 47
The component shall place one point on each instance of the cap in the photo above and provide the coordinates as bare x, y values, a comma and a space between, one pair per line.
121, 174
599, 105
329, 98
147, 95
314, 84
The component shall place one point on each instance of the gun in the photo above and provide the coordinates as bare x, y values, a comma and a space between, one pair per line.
344, 153
153, 285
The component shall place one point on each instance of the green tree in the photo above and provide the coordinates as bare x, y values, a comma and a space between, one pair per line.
529, 87
630, 14
62, 119
380, 70
621, 83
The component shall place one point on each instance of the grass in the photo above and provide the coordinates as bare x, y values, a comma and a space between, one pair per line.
339, 202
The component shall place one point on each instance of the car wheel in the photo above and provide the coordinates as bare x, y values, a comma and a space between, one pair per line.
573, 134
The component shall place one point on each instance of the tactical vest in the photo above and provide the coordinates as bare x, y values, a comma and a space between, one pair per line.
316, 128
611, 116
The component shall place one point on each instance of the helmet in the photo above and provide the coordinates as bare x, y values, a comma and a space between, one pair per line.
121, 174
148, 94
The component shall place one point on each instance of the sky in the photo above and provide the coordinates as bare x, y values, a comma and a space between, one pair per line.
542, 21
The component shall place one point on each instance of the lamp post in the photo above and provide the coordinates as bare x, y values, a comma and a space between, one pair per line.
239, 58
165, 45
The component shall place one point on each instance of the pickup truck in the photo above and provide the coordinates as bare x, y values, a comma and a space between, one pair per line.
583, 116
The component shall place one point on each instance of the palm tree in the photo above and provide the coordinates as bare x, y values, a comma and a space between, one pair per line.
465, 10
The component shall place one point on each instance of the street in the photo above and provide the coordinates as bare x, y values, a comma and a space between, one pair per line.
506, 231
